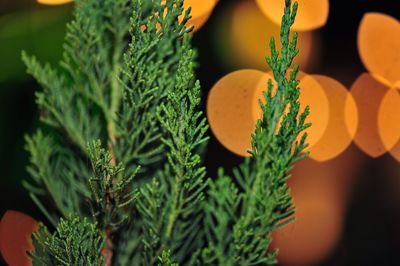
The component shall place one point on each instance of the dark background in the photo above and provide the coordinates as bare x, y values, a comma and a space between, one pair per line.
372, 224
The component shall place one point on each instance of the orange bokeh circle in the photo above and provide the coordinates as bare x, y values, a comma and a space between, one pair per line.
249, 37
318, 225
368, 94
200, 11
312, 14
320, 191
388, 115
314, 233
229, 109
233, 108
379, 45
54, 2
343, 120
15, 237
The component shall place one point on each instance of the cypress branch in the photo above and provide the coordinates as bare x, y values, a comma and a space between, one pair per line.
264, 202
75, 242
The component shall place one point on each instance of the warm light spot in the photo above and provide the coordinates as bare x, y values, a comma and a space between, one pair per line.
342, 124
368, 94
379, 46
314, 233
388, 119
200, 11
54, 2
320, 191
397, 85
250, 35
15, 238
311, 94
312, 14
229, 109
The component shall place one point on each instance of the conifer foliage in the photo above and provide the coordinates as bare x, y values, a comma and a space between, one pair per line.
117, 165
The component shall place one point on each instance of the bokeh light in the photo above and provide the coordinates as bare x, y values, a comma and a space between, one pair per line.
200, 11
388, 114
368, 94
319, 196
15, 238
312, 14
343, 120
54, 2
314, 233
379, 46
229, 109
320, 191
233, 108
313, 95
248, 33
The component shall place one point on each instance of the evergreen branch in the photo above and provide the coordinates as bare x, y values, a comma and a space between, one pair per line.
150, 207
268, 204
79, 102
55, 102
112, 194
153, 57
98, 31
75, 242
264, 203
184, 175
165, 259
172, 205
111, 189
56, 173
185, 134
140, 99
220, 211
151, 61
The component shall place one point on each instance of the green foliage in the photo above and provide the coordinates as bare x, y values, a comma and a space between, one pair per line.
165, 260
121, 147
78, 104
75, 242
151, 65
240, 223
111, 188
58, 175
171, 206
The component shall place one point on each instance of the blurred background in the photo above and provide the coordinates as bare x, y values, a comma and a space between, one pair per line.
348, 206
